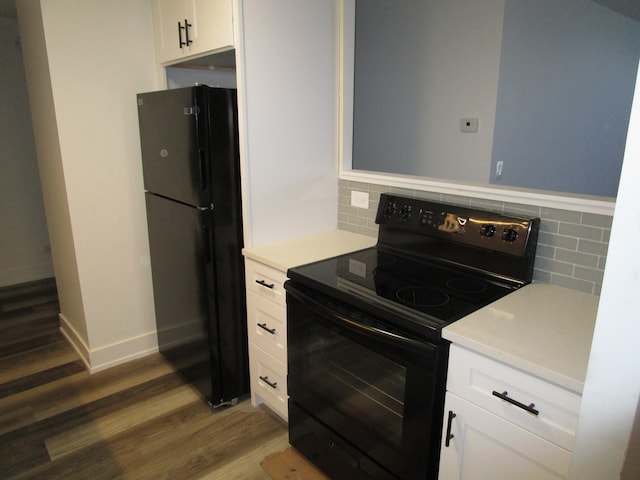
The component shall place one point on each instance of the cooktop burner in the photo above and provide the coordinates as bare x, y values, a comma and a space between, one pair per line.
422, 296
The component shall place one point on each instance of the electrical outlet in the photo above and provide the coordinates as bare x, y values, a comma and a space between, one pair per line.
499, 167
359, 199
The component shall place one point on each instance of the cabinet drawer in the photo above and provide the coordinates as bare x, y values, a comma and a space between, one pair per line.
265, 281
268, 381
267, 325
475, 378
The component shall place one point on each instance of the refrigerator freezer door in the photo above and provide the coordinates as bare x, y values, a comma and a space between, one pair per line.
173, 161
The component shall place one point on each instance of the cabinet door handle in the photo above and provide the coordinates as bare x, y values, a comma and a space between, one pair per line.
186, 33
449, 436
187, 41
265, 284
273, 385
504, 396
180, 42
263, 326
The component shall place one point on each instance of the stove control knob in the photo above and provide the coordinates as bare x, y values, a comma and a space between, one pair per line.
487, 230
390, 209
406, 212
510, 235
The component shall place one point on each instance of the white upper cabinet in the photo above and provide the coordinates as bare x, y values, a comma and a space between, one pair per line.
185, 28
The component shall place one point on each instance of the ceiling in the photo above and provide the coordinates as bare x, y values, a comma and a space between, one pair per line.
630, 8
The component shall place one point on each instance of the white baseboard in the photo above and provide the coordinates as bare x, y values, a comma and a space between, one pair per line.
110, 355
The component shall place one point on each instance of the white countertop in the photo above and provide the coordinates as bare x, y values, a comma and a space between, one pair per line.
298, 251
542, 329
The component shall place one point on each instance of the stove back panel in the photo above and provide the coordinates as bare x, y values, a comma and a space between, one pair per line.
478, 240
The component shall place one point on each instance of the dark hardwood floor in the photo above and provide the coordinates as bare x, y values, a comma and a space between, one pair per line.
137, 420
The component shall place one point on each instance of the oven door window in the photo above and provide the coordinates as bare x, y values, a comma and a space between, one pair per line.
374, 389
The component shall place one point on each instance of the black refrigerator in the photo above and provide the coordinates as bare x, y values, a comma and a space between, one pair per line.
191, 168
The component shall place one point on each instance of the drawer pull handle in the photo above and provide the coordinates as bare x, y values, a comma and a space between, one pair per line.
265, 284
450, 435
273, 385
504, 396
263, 326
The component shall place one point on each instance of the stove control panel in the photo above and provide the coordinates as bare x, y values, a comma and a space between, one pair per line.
479, 228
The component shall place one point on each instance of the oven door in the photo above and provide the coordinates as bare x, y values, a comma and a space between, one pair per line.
365, 401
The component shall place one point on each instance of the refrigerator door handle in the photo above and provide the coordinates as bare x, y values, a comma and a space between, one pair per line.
207, 232
202, 169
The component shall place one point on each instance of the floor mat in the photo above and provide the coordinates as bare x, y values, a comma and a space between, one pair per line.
290, 465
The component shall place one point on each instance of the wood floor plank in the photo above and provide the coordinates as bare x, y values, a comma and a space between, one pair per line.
10, 324
22, 303
16, 418
27, 363
36, 288
189, 443
247, 467
108, 426
41, 378
48, 336
221, 441
134, 421
20, 447
101, 467
83, 388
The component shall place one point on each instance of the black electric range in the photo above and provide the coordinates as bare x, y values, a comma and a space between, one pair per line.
432, 265
366, 360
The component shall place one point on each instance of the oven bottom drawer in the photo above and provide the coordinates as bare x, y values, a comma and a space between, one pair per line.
329, 452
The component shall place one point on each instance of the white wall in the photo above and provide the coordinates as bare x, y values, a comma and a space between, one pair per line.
24, 242
186, 77
82, 91
288, 81
612, 387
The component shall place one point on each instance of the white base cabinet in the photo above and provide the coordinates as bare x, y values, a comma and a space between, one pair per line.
485, 446
502, 423
267, 329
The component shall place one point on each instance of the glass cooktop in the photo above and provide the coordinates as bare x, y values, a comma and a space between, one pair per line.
431, 294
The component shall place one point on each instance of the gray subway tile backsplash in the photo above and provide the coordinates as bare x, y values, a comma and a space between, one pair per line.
572, 246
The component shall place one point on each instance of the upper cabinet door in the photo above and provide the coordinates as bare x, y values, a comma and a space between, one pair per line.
185, 28
212, 25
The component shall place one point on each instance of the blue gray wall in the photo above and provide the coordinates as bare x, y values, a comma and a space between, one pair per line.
567, 76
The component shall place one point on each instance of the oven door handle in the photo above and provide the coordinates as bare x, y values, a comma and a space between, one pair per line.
338, 319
